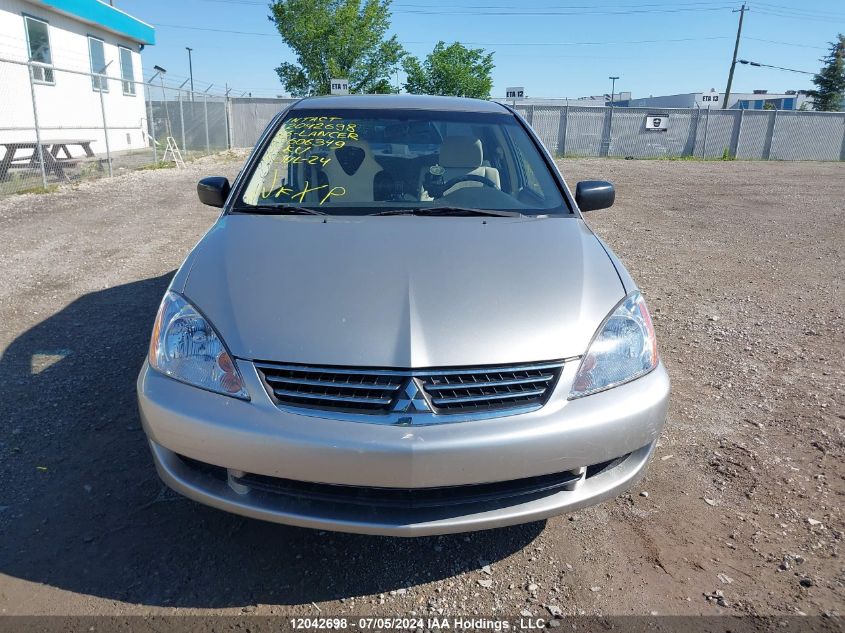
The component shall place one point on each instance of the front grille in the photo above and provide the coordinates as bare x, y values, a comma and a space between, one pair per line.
516, 490
410, 498
414, 394
490, 389
331, 388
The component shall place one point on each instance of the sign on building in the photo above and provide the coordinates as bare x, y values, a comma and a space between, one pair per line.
339, 86
657, 122
517, 92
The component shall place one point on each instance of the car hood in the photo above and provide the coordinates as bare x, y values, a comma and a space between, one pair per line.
402, 291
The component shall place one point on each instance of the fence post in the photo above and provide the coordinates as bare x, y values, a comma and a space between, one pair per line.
607, 138
152, 127
205, 108
565, 128
842, 151
39, 149
105, 127
695, 130
182, 122
531, 116
227, 112
739, 132
770, 135
706, 125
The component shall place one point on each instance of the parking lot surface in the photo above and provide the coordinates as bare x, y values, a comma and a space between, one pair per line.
741, 512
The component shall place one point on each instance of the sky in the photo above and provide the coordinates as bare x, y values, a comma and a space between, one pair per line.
553, 48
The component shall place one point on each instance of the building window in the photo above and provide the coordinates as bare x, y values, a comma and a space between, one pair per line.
38, 41
98, 65
127, 74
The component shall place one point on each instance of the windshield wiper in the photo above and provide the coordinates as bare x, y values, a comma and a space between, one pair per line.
282, 209
454, 211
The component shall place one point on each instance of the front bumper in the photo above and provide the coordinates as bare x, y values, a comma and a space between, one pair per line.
259, 438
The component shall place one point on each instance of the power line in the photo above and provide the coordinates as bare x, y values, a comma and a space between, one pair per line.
540, 11
199, 28
596, 43
791, 17
591, 9
543, 13
449, 4
626, 6
812, 12
757, 39
662, 41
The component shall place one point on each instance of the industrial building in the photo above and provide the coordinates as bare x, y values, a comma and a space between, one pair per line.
756, 100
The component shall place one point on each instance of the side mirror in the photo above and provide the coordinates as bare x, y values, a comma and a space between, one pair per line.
594, 194
213, 190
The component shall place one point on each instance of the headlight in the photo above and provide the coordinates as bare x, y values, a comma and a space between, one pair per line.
624, 348
184, 346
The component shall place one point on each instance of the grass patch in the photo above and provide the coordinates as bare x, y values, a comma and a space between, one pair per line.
726, 156
159, 165
575, 156
689, 158
38, 189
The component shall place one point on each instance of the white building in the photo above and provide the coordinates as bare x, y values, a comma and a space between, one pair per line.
64, 39
599, 101
757, 100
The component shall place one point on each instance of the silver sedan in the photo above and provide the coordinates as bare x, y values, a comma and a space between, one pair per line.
400, 324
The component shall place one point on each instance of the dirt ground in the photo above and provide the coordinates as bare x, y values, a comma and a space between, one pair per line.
741, 512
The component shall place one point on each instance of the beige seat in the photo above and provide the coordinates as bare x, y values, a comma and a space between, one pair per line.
353, 168
463, 156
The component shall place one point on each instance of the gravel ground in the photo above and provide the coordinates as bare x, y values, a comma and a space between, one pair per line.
741, 512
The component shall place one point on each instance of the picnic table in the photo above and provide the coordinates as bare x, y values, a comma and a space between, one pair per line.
50, 149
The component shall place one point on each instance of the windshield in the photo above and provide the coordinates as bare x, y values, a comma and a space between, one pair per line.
357, 162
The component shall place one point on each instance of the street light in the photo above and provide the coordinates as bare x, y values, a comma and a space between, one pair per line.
158, 71
612, 90
792, 70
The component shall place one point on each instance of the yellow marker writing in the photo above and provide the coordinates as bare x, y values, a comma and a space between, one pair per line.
305, 191
334, 191
266, 193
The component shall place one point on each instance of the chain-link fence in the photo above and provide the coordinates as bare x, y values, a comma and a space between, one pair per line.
569, 130
698, 133
59, 125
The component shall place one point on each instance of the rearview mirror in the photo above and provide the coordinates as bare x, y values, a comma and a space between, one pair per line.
594, 194
213, 190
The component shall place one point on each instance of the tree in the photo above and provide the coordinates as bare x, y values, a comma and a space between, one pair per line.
453, 70
829, 95
336, 39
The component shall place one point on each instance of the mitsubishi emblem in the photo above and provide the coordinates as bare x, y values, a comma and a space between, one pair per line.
412, 400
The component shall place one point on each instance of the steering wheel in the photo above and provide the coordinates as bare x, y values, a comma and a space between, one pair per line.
484, 180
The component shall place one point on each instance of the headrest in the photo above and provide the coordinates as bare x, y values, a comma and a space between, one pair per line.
350, 158
461, 151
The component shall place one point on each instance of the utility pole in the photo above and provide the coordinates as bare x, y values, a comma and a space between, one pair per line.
190, 70
742, 11
612, 89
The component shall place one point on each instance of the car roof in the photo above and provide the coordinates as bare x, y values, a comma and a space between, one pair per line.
399, 102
